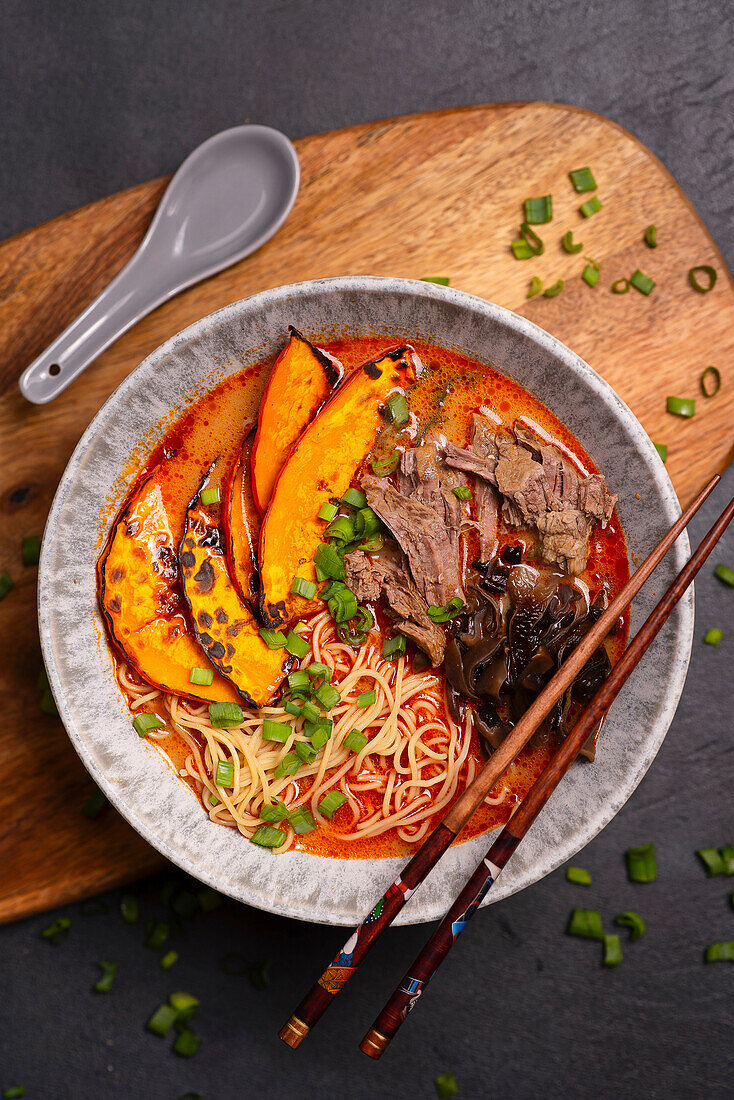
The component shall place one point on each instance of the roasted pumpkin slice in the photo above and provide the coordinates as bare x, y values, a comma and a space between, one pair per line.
299, 383
224, 623
142, 602
321, 467
241, 526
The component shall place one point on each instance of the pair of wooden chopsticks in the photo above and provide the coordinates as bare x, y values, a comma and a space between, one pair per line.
344, 965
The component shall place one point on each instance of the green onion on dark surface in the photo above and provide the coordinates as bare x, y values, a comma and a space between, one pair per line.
296, 645
651, 236
186, 1044
94, 805
590, 275
274, 812
393, 647
161, 1022
109, 969
396, 407
620, 286
355, 498
30, 549
6, 583
681, 406
442, 280
327, 695
532, 239
224, 775
331, 802
634, 922
554, 290
57, 931
226, 715
612, 950
568, 244
462, 492
641, 864
446, 1086
720, 952
641, 282
662, 449
266, 836
713, 389
539, 210
259, 974
157, 932
578, 875
727, 855
329, 511
145, 722
355, 740
536, 286
591, 206
301, 820
585, 923
203, 676
276, 731
289, 765
274, 639
184, 1002
713, 636
582, 180
710, 278
367, 698
15, 1092
329, 561
381, 467
521, 250
129, 908
211, 496
725, 574
303, 587
168, 960
712, 860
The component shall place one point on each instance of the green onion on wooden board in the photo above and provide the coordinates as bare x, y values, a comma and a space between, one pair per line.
567, 242
532, 239
442, 280
662, 449
713, 389
591, 206
536, 286
582, 180
681, 406
555, 290
620, 286
538, 211
641, 282
6, 583
710, 278
590, 275
651, 236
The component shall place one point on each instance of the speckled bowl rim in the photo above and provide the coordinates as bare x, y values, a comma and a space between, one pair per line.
568, 822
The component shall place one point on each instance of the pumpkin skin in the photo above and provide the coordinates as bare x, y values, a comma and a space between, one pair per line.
241, 526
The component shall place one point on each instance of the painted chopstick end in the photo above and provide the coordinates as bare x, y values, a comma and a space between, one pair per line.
374, 1044
294, 1032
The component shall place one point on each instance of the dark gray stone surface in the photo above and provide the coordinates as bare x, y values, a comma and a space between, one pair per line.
99, 97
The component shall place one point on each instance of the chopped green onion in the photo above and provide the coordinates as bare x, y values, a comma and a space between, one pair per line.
6, 583
306, 752
329, 561
727, 855
343, 605
331, 802
57, 931
204, 676
289, 765
582, 180
366, 523
224, 775
329, 511
184, 904
330, 588
641, 282
296, 645
393, 647
651, 236
446, 1086
214, 800
168, 960
396, 407
301, 820
319, 671
355, 498
129, 910
327, 695
310, 711
355, 740
183, 1002
319, 733
442, 280
381, 467
145, 722
320, 575
462, 492
15, 1092
303, 587
367, 698
266, 836
567, 242
716, 376
578, 875
259, 974
725, 574
226, 715
211, 496
30, 550
720, 952
342, 529
712, 861
591, 206
555, 290
705, 269
662, 449
186, 1044
274, 812
521, 250
585, 923
299, 682
536, 286
162, 1020
713, 636
94, 805
681, 406
442, 614
276, 731
274, 639
612, 950
634, 922
620, 286
293, 708
109, 969
590, 275
538, 211
156, 934
641, 865
372, 545
532, 239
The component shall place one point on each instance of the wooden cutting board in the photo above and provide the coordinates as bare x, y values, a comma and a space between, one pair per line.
435, 194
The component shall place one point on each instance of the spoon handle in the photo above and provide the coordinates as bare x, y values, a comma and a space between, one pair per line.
136, 290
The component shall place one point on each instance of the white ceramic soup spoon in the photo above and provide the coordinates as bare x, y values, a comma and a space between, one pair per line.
225, 201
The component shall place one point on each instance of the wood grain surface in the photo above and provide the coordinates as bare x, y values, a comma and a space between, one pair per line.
425, 195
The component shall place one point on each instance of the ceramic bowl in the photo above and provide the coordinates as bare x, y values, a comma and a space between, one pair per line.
133, 776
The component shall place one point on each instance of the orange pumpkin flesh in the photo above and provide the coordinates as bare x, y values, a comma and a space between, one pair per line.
321, 467
299, 383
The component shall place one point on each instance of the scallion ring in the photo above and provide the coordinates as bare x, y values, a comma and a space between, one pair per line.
716, 377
